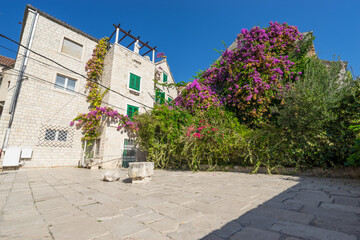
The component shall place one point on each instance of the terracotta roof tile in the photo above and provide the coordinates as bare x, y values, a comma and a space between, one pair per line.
5, 61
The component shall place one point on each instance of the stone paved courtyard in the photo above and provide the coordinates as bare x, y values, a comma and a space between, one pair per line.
71, 203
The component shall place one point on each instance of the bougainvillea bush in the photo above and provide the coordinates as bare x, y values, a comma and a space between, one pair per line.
265, 102
252, 76
197, 96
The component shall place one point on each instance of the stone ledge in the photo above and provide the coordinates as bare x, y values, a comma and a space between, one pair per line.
341, 172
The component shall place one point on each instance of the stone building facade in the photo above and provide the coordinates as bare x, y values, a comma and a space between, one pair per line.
6, 64
51, 95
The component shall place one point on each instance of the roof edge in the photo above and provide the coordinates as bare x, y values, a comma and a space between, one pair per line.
29, 6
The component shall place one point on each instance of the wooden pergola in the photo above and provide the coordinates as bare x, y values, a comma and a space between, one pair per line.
128, 34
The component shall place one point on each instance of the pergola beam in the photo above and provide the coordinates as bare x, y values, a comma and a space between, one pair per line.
143, 44
149, 51
133, 41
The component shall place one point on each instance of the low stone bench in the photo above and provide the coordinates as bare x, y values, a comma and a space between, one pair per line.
140, 172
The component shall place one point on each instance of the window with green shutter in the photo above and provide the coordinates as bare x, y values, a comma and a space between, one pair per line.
159, 97
132, 110
169, 99
134, 82
164, 77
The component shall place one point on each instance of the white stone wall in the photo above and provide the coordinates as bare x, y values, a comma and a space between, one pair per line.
119, 63
163, 67
40, 104
6, 75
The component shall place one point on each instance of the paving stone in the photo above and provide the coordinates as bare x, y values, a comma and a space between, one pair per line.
333, 214
250, 233
177, 212
187, 231
62, 215
283, 215
343, 193
306, 231
344, 208
208, 223
80, 228
52, 203
165, 225
124, 226
212, 237
149, 202
149, 217
27, 232
253, 220
313, 196
287, 205
136, 211
208, 199
228, 229
337, 224
100, 211
147, 235
175, 204
345, 200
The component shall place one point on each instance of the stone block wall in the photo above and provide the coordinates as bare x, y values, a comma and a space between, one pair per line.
40, 105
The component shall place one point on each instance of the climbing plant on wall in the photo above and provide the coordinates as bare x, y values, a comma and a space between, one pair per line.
91, 122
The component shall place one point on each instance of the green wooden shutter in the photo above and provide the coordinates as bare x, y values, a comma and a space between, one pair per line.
164, 77
169, 99
132, 81
162, 98
157, 96
131, 111
137, 83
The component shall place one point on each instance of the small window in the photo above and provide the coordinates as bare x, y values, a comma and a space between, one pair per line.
56, 135
62, 136
159, 97
72, 48
50, 134
134, 82
165, 77
170, 99
65, 83
131, 111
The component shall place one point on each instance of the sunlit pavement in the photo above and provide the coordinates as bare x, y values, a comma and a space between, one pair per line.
72, 203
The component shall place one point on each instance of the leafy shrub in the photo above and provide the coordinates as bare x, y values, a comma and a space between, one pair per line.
174, 138
316, 116
215, 138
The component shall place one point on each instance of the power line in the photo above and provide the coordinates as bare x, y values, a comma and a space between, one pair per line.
52, 84
59, 64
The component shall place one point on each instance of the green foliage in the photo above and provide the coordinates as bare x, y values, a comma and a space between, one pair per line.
173, 138
215, 138
316, 116
159, 135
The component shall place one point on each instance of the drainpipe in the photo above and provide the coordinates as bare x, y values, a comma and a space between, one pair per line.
19, 79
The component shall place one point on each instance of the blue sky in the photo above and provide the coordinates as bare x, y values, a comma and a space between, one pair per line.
189, 31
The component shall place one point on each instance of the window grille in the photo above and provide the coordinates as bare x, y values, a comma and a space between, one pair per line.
55, 136
129, 154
